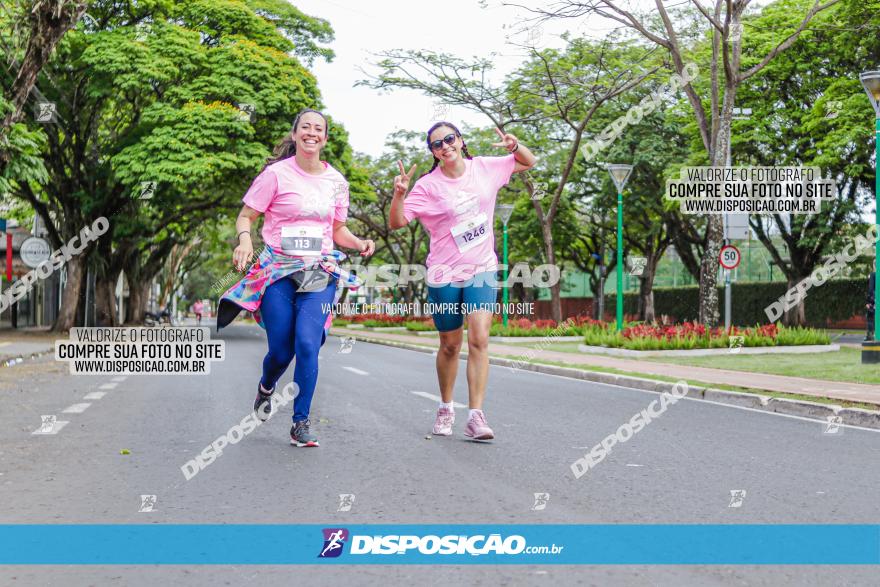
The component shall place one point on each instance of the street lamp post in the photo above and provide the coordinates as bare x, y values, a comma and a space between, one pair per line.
619, 175
871, 81
504, 211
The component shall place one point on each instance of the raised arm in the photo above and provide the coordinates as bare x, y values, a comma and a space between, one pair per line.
524, 158
401, 184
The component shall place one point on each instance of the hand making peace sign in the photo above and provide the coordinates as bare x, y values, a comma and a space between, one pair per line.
508, 141
401, 182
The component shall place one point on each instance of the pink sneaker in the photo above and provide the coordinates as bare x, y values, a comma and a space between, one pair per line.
477, 428
444, 421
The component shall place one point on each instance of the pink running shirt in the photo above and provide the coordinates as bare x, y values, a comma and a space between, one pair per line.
288, 196
459, 217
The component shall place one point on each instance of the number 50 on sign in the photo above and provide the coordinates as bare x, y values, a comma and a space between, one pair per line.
729, 257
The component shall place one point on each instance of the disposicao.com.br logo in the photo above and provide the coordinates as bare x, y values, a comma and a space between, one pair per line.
431, 544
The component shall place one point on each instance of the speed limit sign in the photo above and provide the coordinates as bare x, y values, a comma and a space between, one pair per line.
729, 257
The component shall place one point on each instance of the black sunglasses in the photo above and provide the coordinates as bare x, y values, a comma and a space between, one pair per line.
448, 139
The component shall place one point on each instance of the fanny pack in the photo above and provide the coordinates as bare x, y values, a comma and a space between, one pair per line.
312, 279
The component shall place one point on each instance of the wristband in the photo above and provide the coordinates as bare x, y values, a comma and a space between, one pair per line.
238, 236
515, 148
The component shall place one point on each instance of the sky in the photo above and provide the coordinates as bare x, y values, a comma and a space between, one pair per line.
460, 27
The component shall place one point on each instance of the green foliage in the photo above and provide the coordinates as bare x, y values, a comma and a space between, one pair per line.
607, 336
150, 91
809, 109
835, 300
25, 145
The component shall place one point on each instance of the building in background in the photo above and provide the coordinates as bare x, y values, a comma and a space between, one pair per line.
39, 308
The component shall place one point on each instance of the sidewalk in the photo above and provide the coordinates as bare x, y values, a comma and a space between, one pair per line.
852, 392
25, 342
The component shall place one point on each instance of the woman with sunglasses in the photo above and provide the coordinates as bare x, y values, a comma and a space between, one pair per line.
455, 202
292, 284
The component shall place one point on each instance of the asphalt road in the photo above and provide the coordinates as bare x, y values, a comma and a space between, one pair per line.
372, 412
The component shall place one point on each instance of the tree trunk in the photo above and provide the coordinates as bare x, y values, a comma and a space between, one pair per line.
105, 301
709, 314
138, 294
687, 250
73, 294
796, 315
556, 288
603, 274
709, 273
646, 290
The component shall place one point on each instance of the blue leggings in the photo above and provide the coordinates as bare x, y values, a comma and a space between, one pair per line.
294, 324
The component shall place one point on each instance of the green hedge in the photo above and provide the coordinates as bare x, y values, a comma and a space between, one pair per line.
835, 300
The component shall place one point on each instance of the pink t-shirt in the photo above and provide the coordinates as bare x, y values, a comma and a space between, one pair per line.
305, 205
458, 215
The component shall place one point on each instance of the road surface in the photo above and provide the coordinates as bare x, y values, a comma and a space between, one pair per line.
372, 411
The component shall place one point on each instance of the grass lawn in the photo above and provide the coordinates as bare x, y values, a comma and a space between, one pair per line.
833, 331
843, 365
697, 383
565, 347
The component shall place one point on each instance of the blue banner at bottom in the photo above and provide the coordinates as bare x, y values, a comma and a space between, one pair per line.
242, 544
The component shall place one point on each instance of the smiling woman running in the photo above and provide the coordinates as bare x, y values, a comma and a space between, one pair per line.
291, 286
455, 202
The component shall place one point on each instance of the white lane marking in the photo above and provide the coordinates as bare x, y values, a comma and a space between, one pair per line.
76, 409
654, 393
436, 398
108, 386
119, 379
95, 395
56, 428
356, 371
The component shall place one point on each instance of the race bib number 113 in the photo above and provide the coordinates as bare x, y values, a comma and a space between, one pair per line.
302, 241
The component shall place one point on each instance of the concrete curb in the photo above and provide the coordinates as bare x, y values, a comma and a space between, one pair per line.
802, 408
535, 338
386, 328
11, 360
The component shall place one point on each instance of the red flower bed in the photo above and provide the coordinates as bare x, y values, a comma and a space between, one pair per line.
360, 318
693, 329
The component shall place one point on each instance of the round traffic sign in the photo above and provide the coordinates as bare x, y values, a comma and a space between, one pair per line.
729, 257
34, 251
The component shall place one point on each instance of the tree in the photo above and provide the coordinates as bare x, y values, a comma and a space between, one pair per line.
652, 146
408, 246
589, 251
817, 117
47, 21
552, 98
150, 93
730, 65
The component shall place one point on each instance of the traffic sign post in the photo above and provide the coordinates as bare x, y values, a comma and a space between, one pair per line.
729, 259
